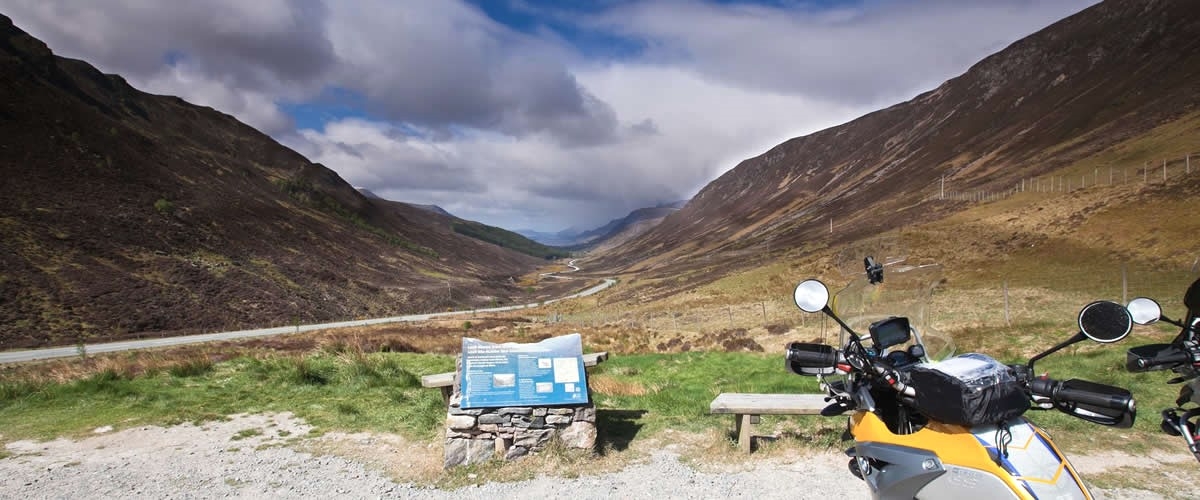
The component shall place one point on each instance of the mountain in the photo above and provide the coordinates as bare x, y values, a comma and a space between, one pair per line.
1045, 108
433, 208
564, 238
619, 231
478, 230
367, 192
125, 213
615, 230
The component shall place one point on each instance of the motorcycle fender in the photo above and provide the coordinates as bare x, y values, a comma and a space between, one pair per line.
971, 459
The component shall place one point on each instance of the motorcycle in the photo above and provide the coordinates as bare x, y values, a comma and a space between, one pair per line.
1181, 355
952, 428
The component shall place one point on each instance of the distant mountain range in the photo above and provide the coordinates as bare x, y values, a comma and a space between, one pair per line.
480, 231
634, 223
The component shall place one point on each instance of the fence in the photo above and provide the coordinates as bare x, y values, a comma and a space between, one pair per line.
1148, 173
1012, 300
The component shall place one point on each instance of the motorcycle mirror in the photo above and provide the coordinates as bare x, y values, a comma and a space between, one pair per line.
1191, 299
811, 296
1144, 310
1105, 322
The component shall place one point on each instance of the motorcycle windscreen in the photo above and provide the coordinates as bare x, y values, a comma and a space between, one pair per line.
906, 291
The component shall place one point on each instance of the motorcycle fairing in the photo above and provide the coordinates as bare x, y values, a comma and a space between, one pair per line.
1031, 459
959, 446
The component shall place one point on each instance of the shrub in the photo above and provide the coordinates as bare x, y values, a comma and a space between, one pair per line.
164, 207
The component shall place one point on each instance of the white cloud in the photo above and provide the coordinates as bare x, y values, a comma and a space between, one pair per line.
873, 52
519, 129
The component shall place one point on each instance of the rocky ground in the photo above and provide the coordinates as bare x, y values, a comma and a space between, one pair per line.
275, 456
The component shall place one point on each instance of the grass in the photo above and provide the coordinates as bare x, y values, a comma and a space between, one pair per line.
375, 392
643, 400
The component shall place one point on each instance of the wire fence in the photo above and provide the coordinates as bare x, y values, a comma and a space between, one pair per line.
1148, 173
1012, 300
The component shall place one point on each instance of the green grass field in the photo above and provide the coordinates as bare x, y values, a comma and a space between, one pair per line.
636, 396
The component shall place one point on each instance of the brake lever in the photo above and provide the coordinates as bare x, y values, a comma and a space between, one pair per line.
1041, 402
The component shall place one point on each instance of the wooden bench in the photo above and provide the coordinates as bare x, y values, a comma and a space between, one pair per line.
445, 381
746, 409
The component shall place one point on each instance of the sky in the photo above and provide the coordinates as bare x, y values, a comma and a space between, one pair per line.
536, 114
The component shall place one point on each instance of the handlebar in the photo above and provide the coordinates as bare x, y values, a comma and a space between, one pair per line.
1082, 392
1170, 359
1157, 356
806, 355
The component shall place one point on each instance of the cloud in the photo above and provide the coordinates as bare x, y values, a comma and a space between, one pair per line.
537, 183
441, 64
574, 116
239, 57
869, 52
380, 157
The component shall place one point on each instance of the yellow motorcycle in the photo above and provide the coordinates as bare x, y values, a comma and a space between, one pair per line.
950, 428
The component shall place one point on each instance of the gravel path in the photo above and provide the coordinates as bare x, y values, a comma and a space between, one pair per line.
261, 456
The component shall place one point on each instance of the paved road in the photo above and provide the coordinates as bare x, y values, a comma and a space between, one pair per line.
64, 352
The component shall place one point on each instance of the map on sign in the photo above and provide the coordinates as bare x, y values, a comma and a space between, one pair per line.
545, 373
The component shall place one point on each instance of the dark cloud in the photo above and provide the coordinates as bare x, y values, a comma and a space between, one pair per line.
253, 45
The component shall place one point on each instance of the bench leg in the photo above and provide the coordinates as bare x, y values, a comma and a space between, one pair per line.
743, 425
446, 392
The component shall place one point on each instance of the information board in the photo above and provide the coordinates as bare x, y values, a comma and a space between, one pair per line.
545, 373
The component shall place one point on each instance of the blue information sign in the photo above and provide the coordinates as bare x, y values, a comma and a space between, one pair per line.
549, 372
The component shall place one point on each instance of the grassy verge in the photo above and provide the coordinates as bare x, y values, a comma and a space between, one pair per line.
638, 396
379, 392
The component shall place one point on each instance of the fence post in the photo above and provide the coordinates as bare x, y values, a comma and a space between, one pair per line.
1007, 319
764, 308
675, 321
1164, 171
730, 309
1124, 285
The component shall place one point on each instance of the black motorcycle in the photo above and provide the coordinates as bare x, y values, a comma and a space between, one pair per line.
1181, 355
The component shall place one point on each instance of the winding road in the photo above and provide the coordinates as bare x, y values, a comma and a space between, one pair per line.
65, 352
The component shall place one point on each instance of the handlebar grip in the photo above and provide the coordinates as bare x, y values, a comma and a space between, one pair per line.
809, 359
1083, 392
1170, 359
1150, 357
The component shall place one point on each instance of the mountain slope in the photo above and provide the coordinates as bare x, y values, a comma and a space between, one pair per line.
620, 231
124, 212
1084, 84
608, 235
